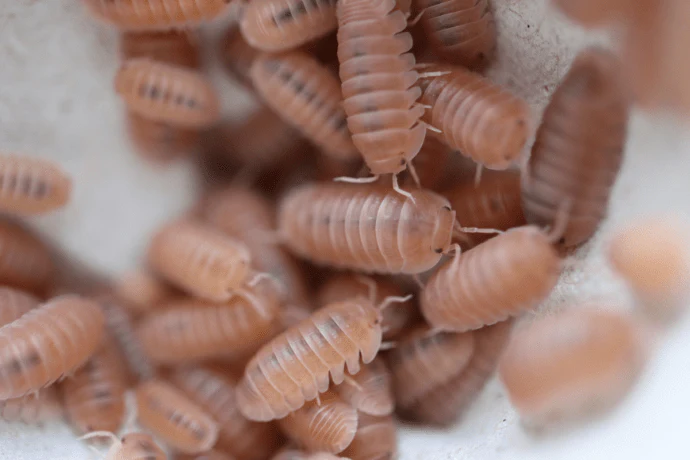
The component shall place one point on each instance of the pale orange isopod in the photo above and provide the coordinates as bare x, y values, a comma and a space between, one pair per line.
199, 259
167, 93
161, 142
156, 14
347, 286
445, 403
142, 291
25, 261
366, 227
237, 55
370, 390
290, 453
306, 95
490, 282
32, 408
423, 360
295, 366
278, 25
174, 418
188, 330
133, 446
567, 364
379, 84
325, 426
172, 47
47, 343
32, 185
14, 303
477, 117
376, 439
209, 455
95, 396
215, 393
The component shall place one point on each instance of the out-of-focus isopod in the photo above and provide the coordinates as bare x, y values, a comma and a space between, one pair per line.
32, 408
210, 455
237, 55
370, 390
290, 453
376, 439
142, 292
25, 261
160, 142
32, 185
15, 303
595, 13
171, 47
133, 446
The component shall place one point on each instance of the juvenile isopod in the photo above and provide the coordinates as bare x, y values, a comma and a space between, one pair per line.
370, 390
423, 360
25, 261
32, 408
482, 120
445, 403
565, 365
133, 446
174, 418
295, 366
47, 343
376, 439
461, 32
279, 25
325, 426
379, 84
215, 393
32, 185
172, 47
502, 277
166, 93
199, 259
156, 14
366, 227
188, 330
579, 148
14, 303
160, 142
306, 95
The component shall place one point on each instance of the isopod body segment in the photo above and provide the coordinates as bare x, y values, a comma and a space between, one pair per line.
32, 185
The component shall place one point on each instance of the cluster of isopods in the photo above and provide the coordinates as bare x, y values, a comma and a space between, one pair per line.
292, 317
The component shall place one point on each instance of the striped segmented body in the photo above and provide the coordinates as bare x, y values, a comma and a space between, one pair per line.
32, 185
370, 391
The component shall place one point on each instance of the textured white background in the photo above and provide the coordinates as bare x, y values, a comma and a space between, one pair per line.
57, 101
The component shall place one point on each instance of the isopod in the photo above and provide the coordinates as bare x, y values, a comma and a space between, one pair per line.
166, 93
199, 259
295, 366
366, 227
142, 291
160, 142
379, 84
594, 13
133, 446
490, 283
461, 32
579, 148
237, 55
482, 120
95, 396
47, 343
156, 14
171, 416
294, 454
376, 439
188, 330
306, 95
279, 25
431, 165
564, 365
326, 426
445, 403
32, 408
172, 47
14, 303
210, 455
32, 185
370, 390
215, 393
423, 360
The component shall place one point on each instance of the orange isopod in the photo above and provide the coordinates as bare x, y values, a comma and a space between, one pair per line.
290, 453
156, 14
32, 185
325, 426
461, 32
95, 396
47, 343
190, 329
142, 292
445, 403
379, 84
199, 259
237, 55
160, 142
306, 95
502, 277
347, 286
32, 408
279, 25
651, 254
423, 360
171, 47
366, 227
579, 148
493, 203
14, 303
295, 366
215, 393
482, 120
25, 261
167, 93
133, 446
567, 364
171, 416
376, 439
370, 390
